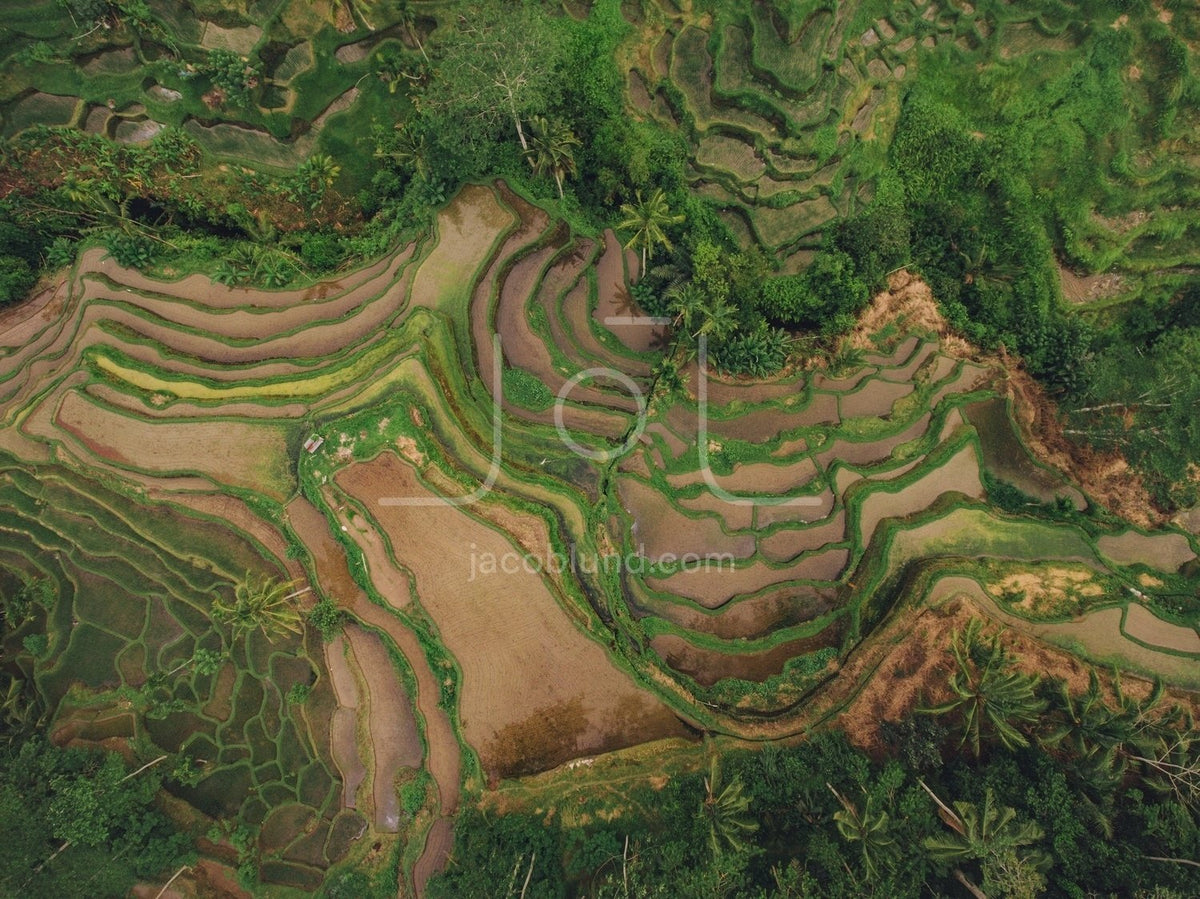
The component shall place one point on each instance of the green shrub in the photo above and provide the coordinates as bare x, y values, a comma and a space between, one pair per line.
235, 76
524, 390
16, 278
327, 618
298, 694
321, 251
130, 250
827, 291
414, 793
37, 645
759, 353
60, 253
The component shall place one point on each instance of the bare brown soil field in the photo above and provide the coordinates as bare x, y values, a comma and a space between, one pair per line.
712, 587
787, 543
969, 377
245, 455
724, 390
333, 575
343, 731
391, 583
525, 349
578, 317
659, 529
758, 477
466, 231
827, 383
395, 740
737, 516
636, 463
21, 323
765, 516
763, 424
517, 240
1166, 552
613, 299
873, 399
707, 666
568, 274
958, 474
867, 452
521, 346
790, 448
375, 298
185, 351
436, 855
535, 691
1144, 625
674, 443
908, 358
231, 324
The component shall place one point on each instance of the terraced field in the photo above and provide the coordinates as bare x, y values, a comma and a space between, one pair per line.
789, 109
312, 62
526, 583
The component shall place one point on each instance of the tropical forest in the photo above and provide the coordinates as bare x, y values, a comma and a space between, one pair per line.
600, 449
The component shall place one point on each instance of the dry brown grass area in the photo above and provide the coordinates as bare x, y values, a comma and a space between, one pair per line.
909, 303
1105, 477
913, 672
1050, 590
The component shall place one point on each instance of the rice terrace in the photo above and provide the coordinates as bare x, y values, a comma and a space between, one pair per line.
609, 448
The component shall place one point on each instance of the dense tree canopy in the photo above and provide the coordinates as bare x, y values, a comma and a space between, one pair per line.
76, 823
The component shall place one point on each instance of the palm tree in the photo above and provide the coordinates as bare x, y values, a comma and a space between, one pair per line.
668, 378
870, 829
981, 268
319, 171
261, 605
410, 150
408, 18
687, 302
988, 690
551, 145
1171, 764
20, 709
719, 320
647, 219
1087, 724
993, 836
726, 810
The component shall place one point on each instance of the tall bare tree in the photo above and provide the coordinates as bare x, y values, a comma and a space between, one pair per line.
496, 62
